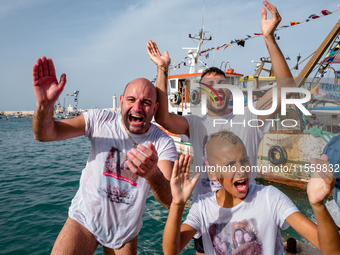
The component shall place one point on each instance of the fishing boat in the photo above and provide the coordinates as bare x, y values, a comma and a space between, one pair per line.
285, 151
69, 112
289, 150
184, 88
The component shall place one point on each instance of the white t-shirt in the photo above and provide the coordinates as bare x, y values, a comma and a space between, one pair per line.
110, 200
244, 126
251, 227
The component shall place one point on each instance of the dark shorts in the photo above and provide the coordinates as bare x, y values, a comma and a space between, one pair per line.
199, 245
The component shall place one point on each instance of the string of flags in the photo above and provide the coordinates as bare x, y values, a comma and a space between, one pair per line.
333, 55
241, 42
75, 95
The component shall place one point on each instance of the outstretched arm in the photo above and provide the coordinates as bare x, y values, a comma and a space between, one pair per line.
47, 90
319, 187
175, 236
325, 236
282, 73
170, 121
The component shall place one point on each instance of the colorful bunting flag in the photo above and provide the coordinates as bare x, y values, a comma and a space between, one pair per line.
293, 23
325, 12
241, 42
227, 46
333, 55
313, 16
338, 74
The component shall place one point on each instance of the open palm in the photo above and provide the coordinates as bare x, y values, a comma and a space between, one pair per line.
181, 185
321, 182
46, 87
156, 56
268, 26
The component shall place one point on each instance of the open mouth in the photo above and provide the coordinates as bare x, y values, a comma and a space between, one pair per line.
221, 95
136, 119
241, 185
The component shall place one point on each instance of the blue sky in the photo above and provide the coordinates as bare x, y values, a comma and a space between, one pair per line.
101, 45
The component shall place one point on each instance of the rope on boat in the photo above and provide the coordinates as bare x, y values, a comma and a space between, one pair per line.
318, 132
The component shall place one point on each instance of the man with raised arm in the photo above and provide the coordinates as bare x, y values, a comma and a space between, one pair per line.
198, 128
128, 155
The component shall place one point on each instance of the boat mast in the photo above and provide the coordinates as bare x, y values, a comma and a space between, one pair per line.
317, 55
195, 55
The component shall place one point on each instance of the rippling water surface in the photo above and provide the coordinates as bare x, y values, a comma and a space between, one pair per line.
38, 181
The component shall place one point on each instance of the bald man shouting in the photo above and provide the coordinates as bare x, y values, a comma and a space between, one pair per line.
128, 155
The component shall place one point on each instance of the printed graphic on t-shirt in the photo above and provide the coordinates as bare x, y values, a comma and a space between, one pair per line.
208, 184
118, 183
236, 238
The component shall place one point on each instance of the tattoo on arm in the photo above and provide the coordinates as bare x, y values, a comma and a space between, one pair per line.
266, 105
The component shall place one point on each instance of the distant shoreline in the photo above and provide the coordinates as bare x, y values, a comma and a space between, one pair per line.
32, 112
14, 112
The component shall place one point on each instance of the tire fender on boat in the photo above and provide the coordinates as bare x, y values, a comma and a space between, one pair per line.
177, 98
194, 98
281, 151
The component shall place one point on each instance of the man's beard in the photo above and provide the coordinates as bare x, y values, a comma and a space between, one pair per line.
218, 109
133, 129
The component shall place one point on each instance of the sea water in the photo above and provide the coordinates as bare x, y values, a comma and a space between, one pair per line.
38, 181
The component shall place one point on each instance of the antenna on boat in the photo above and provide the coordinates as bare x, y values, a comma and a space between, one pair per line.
195, 55
203, 17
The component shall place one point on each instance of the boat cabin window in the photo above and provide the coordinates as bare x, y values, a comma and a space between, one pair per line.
173, 84
230, 80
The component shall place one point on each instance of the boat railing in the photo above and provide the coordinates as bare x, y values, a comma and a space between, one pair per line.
327, 122
295, 123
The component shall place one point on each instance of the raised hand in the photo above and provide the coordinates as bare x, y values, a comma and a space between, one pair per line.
46, 87
321, 182
268, 26
143, 164
156, 56
181, 186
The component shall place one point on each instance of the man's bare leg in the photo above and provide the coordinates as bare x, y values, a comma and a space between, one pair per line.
130, 248
74, 239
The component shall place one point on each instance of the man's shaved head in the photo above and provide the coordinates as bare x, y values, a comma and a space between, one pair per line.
143, 81
138, 105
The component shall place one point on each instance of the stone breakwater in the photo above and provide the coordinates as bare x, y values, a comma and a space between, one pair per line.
32, 112
16, 112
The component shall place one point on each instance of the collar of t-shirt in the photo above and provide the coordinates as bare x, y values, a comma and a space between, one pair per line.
225, 116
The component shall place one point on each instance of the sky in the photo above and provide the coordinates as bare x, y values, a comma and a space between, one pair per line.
101, 45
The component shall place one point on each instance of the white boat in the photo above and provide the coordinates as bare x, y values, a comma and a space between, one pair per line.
69, 112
